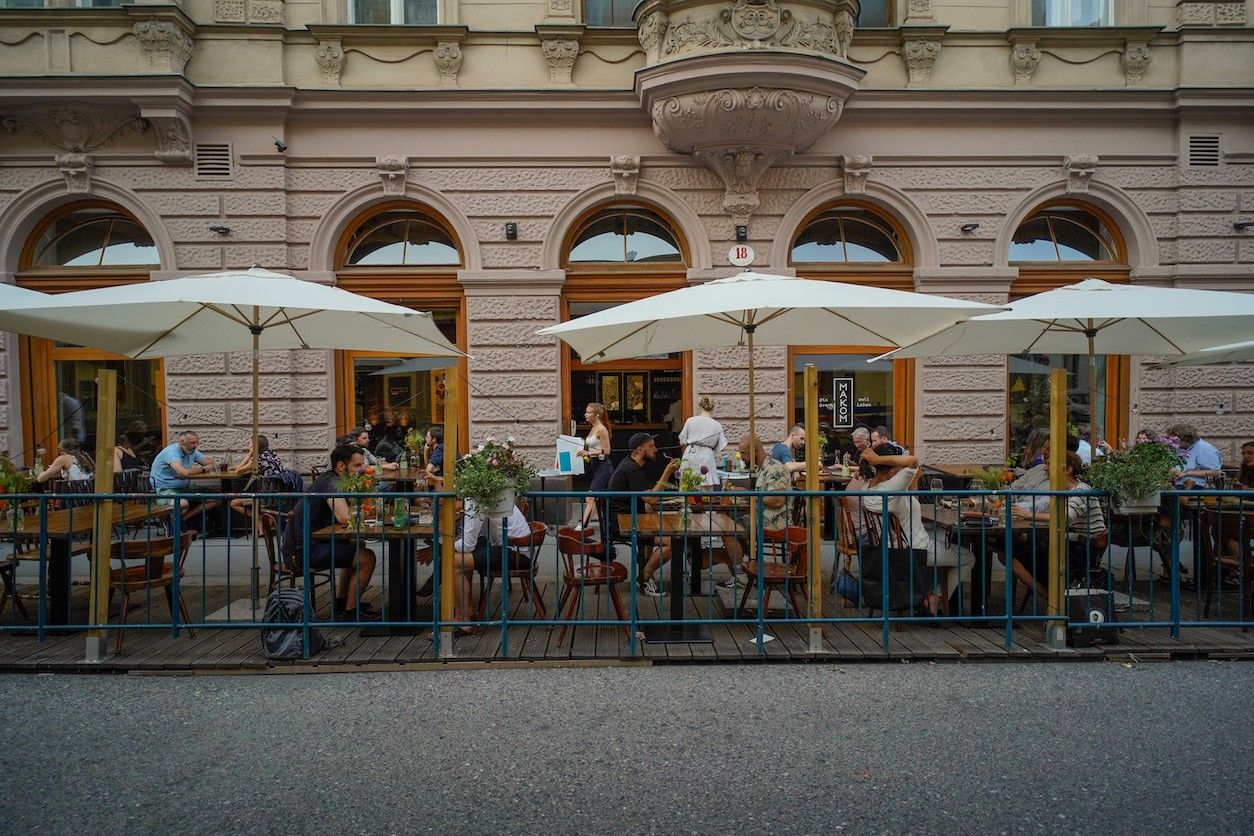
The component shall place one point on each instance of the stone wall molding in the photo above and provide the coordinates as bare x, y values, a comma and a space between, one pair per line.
625, 169
329, 55
855, 169
1131, 218
1025, 60
1080, 169
657, 197
920, 47
30, 207
513, 282
354, 202
393, 169
166, 46
76, 129
448, 62
671, 29
174, 139
918, 227
1135, 61
559, 44
76, 169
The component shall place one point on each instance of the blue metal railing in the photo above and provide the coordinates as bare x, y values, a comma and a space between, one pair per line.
968, 532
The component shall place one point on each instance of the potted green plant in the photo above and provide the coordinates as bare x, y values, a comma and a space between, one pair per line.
13, 480
492, 477
1135, 476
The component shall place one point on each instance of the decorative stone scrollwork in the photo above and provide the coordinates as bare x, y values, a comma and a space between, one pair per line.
560, 55
1080, 169
1135, 60
330, 58
741, 168
920, 55
749, 24
561, 9
265, 11
174, 140
856, 169
625, 169
76, 169
919, 10
75, 130
393, 171
448, 62
1025, 59
166, 47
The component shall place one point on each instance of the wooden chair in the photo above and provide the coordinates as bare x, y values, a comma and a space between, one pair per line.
846, 537
273, 530
148, 570
873, 534
1221, 529
525, 573
8, 575
789, 571
578, 573
71, 492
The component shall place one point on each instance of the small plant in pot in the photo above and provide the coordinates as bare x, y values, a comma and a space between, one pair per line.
492, 477
1135, 476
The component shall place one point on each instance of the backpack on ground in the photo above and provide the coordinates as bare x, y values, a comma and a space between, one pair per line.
287, 606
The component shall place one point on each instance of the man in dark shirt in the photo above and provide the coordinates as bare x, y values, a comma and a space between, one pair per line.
346, 553
433, 451
630, 475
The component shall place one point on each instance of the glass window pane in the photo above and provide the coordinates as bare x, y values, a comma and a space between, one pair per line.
1028, 394
385, 244
129, 243
601, 240
420, 12
649, 240
872, 396
393, 404
91, 237
372, 11
1075, 243
1032, 242
428, 244
138, 413
21, 4
866, 242
609, 12
819, 242
875, 13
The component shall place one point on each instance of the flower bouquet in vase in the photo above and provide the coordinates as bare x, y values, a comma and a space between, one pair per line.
493, 477
361, 509
691, 481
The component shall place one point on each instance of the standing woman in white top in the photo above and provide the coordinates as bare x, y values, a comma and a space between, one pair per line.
900, 473
596, 453
703, 439
71, 464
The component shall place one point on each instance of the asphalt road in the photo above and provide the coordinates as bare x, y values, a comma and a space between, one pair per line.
1044, 748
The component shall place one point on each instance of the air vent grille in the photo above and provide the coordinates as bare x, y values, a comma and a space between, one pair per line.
213, 160
1204, 150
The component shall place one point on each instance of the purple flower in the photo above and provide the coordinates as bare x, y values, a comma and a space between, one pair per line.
704, 470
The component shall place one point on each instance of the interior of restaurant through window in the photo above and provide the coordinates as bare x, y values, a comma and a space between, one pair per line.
1028, 394
846, 379
138, 412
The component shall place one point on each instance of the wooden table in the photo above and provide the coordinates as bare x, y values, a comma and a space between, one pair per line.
401, 478
63, 527
225, 480
402, 598
670, 524
989, 530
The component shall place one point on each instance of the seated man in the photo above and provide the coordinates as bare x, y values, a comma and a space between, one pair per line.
791, 451
630, 475
776, 511
479, 549
346, 553
880, 435
433, 453
1086, 535
172, 469
1202, 460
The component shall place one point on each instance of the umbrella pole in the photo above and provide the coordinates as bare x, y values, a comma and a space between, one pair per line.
1092, 395
751, 409
1056, 628
252, 447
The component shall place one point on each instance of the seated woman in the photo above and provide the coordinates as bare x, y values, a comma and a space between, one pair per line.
269, 467
71, 464
124, 457
1086, 534
776, 511
901, 473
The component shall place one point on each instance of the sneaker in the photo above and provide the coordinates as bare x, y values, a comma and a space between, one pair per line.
650, 588
355, 617
738, 580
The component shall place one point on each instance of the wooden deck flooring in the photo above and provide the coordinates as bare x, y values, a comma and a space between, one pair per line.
239, 649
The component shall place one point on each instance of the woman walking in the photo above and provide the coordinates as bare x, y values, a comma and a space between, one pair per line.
703, 438
596, 453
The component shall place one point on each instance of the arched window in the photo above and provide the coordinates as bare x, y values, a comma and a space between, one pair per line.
400, 238
625, 235
1064, 233
847, 235
92, 236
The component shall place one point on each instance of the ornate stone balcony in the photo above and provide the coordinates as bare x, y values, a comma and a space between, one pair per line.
745, 85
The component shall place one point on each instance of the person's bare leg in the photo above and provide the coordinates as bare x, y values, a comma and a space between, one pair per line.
358, 581
463, 565
1025, 577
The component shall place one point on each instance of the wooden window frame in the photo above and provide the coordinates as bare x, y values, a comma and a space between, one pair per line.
903, 385
634, 268
896, 275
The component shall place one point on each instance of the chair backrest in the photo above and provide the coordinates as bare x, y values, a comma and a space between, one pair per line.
133, 480
533, 540
789, 543
154, 552
846, 531
871, 524
73, 487
574, 546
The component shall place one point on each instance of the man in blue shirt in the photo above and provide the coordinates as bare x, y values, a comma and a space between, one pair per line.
1202, 460
173, 468
786, 451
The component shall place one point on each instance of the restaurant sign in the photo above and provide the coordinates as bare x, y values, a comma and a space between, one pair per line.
842, 403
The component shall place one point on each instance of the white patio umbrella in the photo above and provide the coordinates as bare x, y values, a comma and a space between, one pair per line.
1095, 317
1233, 353
757, 307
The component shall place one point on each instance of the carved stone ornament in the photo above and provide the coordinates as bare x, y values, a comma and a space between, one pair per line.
856, 169
174, 140
330, 58
265, 11
741, 168
920, 55
1080, 169
561, 9
749, 24
625, 169
1135, 60
560, 55
919, 10
1025, 58
166, 47
76, 130
76, 169
393, 171
448, 62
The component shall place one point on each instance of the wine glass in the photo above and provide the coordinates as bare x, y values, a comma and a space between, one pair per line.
937, 484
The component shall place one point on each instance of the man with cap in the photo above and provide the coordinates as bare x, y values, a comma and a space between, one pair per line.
630, 475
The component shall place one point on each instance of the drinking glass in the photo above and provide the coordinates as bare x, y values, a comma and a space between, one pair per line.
937, 484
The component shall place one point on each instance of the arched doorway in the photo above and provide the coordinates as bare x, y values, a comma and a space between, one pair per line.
856, 242
403, 253
1060, 243
81, 246
616, 253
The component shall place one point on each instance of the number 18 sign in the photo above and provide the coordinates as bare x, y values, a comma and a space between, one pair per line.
741, 255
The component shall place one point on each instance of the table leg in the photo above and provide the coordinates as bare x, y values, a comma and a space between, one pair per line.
678, 631
402, 600
58, 581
